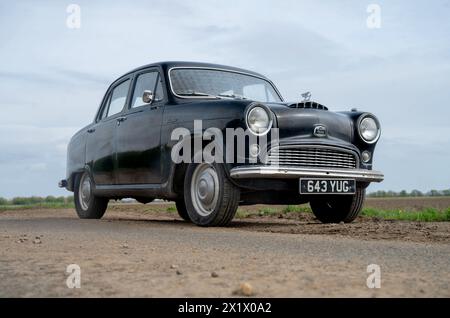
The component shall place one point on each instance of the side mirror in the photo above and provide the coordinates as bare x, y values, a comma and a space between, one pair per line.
148, 97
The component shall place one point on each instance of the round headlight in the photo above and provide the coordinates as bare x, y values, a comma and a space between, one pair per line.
259, 120
369, 129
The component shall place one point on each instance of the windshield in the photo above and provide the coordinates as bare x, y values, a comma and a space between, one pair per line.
209, 83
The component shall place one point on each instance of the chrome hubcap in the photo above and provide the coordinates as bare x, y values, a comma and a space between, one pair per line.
205, 189
85, 192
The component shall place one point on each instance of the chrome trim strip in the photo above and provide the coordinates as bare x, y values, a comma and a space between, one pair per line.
276, 172
216, 69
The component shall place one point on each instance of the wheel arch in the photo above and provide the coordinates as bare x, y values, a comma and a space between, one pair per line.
178, 169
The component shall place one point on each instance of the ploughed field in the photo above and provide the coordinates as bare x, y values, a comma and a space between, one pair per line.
279, 251
409, 203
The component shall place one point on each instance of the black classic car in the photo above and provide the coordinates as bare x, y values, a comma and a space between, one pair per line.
152, 134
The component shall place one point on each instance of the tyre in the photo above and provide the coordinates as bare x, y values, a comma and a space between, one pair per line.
338, 208
210, 198
87, 205
181, 208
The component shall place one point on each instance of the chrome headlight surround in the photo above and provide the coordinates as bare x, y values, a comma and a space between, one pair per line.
258, 119
366, 122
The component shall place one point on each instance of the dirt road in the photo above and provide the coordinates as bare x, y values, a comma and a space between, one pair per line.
133, 253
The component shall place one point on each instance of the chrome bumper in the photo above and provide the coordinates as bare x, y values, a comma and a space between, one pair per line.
62, 184
274, 172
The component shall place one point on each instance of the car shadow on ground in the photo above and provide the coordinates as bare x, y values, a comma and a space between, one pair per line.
235, 224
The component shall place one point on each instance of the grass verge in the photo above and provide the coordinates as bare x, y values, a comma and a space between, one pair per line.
37, 206
425, 215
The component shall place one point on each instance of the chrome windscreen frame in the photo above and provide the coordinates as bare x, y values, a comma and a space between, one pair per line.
216, 69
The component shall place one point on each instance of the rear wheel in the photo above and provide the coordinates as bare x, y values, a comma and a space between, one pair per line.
210, 198
338, 208
87, 205
144, 200
181, 208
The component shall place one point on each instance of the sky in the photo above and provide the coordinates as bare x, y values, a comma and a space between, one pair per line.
52, 76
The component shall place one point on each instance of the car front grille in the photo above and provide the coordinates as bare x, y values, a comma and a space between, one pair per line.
309, 157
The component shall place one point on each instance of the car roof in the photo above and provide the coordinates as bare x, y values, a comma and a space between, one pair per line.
171, 64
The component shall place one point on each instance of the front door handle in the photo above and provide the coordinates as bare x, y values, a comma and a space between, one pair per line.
121, 120
91, 130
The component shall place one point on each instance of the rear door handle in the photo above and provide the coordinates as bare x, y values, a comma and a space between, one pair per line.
91, 130
172, 121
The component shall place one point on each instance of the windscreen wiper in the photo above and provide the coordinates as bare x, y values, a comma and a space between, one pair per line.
232, 96
194, 93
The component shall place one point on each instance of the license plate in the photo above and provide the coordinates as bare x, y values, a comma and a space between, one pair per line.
327, 186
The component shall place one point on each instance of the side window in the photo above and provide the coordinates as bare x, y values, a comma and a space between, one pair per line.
104, 110
147, 81
118, 98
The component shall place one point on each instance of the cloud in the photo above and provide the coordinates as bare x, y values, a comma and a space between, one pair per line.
53, 78
59, 77
39, 166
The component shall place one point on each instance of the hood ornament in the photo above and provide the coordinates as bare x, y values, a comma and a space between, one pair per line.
306, 97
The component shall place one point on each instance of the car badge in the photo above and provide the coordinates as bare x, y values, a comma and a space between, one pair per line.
320, 131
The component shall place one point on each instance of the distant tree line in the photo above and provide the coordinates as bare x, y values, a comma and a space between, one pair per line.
36, 200
69, 199
413, 193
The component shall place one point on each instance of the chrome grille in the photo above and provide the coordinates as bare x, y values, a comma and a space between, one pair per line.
312, 157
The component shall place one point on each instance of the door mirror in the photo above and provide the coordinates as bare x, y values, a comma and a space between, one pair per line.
148, 97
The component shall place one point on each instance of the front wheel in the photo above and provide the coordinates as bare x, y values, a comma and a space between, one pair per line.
338, 208
88, 205
210, 197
